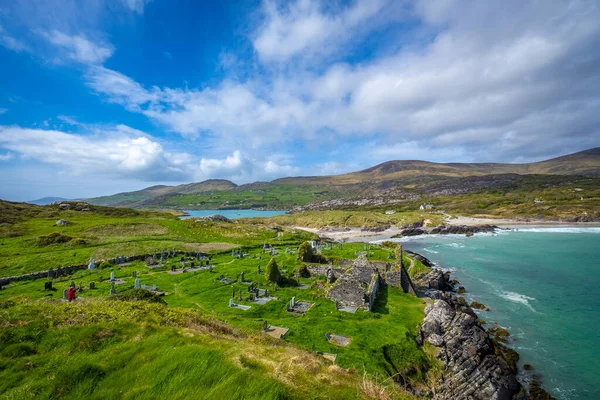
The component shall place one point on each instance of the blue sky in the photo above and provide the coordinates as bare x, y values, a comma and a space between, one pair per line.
104, 96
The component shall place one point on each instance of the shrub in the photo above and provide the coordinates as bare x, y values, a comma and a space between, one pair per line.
138, 295
305, 252
272, 272
79, 242
53, 238
105, 264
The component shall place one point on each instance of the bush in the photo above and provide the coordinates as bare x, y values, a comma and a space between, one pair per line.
105, 264
53, 238
272, 272
305, 252
79, 242
138, 295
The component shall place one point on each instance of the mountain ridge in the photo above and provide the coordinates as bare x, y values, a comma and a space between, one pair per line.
399, 176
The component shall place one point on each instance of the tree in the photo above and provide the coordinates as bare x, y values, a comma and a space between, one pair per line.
272, 272
305, 252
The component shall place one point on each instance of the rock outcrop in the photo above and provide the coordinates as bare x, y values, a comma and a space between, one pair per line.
472, 370
462, 229
214, 217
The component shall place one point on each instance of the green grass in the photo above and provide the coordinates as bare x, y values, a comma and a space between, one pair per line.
103, 350
370, 332
32, 242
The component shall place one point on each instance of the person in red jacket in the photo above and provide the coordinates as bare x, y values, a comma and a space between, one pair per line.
71, 294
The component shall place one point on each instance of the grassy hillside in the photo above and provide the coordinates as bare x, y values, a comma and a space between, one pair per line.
100, 349
391, 181
194, 345
30, 241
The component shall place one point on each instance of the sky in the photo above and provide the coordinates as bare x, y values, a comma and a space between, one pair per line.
103, 96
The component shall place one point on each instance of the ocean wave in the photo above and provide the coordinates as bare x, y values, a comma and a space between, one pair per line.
431, 251
556, 229
455, 245
519, 298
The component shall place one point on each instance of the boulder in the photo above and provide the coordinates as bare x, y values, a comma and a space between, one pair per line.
62, 222
214, 217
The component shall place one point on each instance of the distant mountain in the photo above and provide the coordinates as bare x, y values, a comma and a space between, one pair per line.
400, 179
46, 200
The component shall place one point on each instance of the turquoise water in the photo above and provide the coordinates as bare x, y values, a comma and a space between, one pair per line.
543, 285
231, 214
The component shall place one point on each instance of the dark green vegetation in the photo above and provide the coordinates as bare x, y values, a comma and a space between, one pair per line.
130, 345
469, 189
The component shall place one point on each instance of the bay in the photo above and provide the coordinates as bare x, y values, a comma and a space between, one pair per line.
543, 285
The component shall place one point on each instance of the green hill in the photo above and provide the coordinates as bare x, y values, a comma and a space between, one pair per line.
391, 182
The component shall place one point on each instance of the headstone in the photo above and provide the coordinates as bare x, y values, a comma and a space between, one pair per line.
112, 288
266, 292
242, 277
293, 302
231, 303
210, 268
48, 285
59, 272
137, 283
72, 284
112, 276
265, 326
154, 255
66, 294
232, 253
80, 286
51, 273
92, 285
91, 265
134, 274
240, 295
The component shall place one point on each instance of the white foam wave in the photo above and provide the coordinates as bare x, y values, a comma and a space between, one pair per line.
519, 298
455, 245
431, 251
565, 229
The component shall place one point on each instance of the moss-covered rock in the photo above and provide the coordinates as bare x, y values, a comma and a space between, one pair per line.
272, 273
509, 356
479, 306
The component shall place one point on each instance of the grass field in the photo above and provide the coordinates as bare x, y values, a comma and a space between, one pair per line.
381, 345
122, 350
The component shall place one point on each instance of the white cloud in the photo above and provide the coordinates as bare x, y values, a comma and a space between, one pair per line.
136, 5
6, 156
68, 120
11, 42
79, 48
304, 27
121, 152
241, 168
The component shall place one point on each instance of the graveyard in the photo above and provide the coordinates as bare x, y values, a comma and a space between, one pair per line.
156, 275
212, 289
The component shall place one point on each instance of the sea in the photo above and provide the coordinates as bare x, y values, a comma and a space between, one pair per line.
542, 284
232, 214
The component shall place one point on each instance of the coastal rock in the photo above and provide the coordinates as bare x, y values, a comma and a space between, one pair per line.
462, 229
410, 232
214, 217
432, 279
472, 370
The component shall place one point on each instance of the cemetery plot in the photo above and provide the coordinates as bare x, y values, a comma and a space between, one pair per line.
337, 340
275, 331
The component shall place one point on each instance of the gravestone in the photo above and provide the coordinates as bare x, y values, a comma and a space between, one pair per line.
51, 273
48, 285
293, 302
66, 294
59, 272
210, 268
154, 255
240, 295
137, 283
134, 274
112, 288
242, 277
72, 284
80, 287
232, 253
112, 276
231, 303
92, 285
266, 292
91, 264
265, 326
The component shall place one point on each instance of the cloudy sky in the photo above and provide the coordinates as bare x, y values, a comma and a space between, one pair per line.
104, 96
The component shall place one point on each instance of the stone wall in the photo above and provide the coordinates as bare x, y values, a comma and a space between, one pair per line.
68, 270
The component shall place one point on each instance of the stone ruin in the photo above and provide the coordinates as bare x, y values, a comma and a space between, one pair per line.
359, 285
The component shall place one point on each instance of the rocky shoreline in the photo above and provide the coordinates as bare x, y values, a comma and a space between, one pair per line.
476, 364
